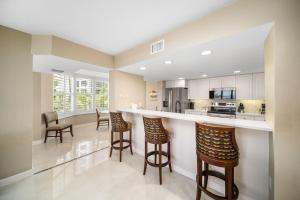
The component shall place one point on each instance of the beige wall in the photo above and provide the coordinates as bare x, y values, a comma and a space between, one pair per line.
238, 17
43, 102
154, 103
37, 119
270, 77
16, 102
125, 89
45, 44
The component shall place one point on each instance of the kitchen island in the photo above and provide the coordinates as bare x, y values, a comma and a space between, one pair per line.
252, 174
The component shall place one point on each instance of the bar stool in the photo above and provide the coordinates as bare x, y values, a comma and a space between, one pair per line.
118, 124
156, 134
216, 145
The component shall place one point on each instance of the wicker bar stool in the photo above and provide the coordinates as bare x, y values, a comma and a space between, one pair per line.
156, 134
216, 145
118, 124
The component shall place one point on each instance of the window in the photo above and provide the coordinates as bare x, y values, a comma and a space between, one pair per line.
84, 94
101, 95
58, 93
79, 94
63, 94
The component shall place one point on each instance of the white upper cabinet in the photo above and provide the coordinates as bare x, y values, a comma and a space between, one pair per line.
203, 87
215, 82
228, 81
248, 86
259, 86
176, 84
192, 89
244, 86
198, 89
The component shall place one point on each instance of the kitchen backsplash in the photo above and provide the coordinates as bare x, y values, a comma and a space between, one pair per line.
251, 106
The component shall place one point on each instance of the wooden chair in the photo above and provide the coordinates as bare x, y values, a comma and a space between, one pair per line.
156, 134
216, 145
101, 120
57, 128
118, 124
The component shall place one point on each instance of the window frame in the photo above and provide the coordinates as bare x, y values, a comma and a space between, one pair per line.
74, 102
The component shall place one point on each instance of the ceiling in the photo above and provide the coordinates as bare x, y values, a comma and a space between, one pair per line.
111, 26
46, 63
243, 51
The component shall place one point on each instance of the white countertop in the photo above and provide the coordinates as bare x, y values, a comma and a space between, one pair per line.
239, 123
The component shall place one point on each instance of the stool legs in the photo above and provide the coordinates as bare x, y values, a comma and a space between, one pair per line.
199, 178
206, 176
130, 135
121, 145
229, 183
111, 142
145, 162
158, 152
159, 161
169, 156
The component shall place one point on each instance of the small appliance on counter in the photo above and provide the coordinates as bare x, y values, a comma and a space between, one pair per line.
191, 105
263, 109
241, 108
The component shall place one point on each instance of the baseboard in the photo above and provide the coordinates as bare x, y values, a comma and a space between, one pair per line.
36, 142
15, 178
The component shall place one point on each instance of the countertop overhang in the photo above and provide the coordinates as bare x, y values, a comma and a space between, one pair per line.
238, 123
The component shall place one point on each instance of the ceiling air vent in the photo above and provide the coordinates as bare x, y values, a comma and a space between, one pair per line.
158, 46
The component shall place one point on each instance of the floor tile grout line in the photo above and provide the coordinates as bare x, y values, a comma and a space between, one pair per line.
49, 168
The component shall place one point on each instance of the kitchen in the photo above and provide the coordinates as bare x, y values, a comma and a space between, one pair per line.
222, 83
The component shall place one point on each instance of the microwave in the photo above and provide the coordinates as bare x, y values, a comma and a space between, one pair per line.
225, 93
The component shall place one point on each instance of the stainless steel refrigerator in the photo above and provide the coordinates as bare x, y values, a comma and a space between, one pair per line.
176, 99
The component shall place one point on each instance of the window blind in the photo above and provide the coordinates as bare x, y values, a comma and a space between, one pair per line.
101, 95
84, 94
58, 93
63, 93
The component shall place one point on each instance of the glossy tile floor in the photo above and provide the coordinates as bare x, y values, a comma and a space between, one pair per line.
86, 140
96, 176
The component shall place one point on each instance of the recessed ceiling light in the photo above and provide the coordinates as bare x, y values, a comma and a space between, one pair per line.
143, 68
180, 78
204, 75
206, 52
236, 71
168, 62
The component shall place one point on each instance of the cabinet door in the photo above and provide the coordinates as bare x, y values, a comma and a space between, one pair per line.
259, 86
244, 86
203, 89
228, 82
192, 89
215, 83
